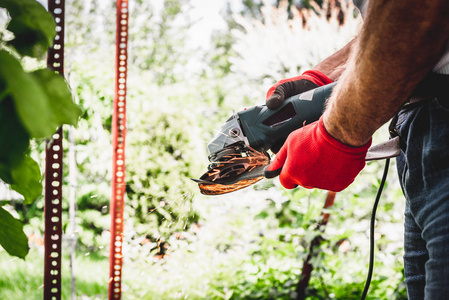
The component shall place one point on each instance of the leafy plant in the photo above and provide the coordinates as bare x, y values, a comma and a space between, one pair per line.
32, 105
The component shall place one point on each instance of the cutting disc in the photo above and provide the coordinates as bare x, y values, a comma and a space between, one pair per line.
233, 172
219, 189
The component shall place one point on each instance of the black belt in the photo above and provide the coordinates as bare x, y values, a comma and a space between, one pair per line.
433, 85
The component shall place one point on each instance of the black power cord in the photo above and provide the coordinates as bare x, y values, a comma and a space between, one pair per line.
373, 221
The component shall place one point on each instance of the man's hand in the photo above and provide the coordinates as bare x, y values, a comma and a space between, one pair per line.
286, 88
312, 158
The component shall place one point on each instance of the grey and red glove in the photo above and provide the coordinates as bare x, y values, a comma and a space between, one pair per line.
286, 88
312, 158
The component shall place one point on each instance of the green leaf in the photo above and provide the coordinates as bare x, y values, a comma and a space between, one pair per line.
42, 99
32, 25
59, 96
14, 138
5, 173
261, 215
12, 237
27, 179
29, 98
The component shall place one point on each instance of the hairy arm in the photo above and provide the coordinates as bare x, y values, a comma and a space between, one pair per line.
334, 65
399, 44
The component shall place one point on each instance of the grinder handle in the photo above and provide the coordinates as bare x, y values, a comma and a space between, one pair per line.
265, 128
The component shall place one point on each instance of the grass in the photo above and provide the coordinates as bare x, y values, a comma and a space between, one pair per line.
23, 279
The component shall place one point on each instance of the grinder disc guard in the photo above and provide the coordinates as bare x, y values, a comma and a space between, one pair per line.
237, 168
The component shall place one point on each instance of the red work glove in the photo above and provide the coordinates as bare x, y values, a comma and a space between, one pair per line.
286, 88
312, 158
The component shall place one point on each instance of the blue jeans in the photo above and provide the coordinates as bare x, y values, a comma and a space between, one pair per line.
424, 174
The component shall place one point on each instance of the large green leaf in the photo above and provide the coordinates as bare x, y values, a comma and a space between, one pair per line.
12, 237
32, 25
42, 99
24, 178
59, 96
27, 179
29, 98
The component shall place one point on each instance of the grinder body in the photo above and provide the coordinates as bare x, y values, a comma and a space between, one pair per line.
261, 128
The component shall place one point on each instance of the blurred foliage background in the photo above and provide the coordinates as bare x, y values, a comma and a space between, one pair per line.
191, 64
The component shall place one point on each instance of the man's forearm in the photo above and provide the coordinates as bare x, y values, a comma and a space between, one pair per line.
334, 65
399, 44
